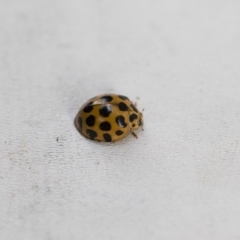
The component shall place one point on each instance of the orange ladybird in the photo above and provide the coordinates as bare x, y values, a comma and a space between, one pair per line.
108, 118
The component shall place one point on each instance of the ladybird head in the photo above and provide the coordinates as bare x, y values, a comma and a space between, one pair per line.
136, 117
140, 123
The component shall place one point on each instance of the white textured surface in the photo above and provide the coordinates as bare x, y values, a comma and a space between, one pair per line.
180, 179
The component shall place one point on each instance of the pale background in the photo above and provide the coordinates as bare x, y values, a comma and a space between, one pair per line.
180, 179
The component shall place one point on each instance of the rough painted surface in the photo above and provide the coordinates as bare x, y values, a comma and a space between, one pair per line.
180, 179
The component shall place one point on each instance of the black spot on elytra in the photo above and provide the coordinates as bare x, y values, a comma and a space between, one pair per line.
91, 134
134, 108
88, 108
119, 132
122, 106
133, 125
123, 97
105, 111
120, 120
107, 137
105, 126
133, 117
106, 98
90, 121
80, 123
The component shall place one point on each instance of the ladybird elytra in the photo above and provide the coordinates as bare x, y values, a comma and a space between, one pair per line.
108, 118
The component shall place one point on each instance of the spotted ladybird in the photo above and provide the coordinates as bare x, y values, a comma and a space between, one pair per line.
108, 118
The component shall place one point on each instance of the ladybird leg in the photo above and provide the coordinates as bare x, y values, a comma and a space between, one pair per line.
135, 135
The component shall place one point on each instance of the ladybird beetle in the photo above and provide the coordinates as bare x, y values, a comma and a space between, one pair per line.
108, 118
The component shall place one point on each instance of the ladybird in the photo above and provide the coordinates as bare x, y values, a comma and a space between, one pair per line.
108, 118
